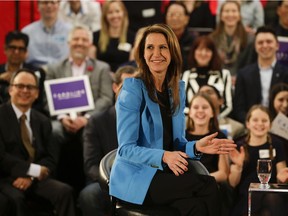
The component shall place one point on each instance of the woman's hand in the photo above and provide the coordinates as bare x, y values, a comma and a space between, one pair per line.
176, 161
210, 145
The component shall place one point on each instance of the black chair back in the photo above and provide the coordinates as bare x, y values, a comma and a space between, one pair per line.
123, 209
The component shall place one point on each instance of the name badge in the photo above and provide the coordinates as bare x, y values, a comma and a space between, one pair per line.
148, 12
264, 153
125, 47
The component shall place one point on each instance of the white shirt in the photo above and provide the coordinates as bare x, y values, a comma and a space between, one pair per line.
265, 78
34, 169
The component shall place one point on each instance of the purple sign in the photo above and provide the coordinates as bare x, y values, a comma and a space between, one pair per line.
69, 95
282, 53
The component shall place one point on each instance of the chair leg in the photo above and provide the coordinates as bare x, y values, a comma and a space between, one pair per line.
113, 207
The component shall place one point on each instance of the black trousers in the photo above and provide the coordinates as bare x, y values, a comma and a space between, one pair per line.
190, 193
60, 195
5, 205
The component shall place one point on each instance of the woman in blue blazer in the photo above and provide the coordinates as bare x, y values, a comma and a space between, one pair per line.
151, 164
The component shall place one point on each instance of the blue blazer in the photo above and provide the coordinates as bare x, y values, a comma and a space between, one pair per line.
140, 137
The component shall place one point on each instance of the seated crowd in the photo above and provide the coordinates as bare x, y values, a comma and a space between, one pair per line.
236, 84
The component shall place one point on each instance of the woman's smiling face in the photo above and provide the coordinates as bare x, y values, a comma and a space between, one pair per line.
157, 54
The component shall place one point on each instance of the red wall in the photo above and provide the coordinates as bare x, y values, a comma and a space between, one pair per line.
27, 12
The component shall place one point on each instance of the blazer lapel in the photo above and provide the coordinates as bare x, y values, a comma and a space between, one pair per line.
16, 125
67, 70
151, 116
275, 75
89, 67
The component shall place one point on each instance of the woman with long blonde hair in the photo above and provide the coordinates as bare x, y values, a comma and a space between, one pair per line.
231, 38
113, 42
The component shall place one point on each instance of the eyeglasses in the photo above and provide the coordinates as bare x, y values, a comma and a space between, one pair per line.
23, 86
14, 48
177, 15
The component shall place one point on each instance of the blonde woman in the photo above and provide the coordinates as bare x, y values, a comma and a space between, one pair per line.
231, 38
113, 42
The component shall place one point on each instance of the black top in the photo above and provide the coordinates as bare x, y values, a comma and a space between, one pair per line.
163, 97
201, 17
115, 55
249, 173
210, 161
203, 75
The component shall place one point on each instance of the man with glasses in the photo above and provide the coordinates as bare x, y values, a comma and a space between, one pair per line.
15, 50
48, 36
26, 163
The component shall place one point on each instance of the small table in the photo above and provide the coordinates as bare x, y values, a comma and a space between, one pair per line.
255, 187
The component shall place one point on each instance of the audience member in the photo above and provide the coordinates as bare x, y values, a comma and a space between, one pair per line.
257, 144
278, 99
48, 36
231, 128
254, 81
281, 27
252, 14
68, 129
278, 103
15, 50
202, 121
230, 37
206, 68
26, 162
98, 141
146, 13
114, 41
270, 14
152, 149
176, 17
197, 9
81, 12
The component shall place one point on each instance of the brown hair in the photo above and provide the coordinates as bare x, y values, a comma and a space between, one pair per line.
174, 68
240, 30
205, 41
247, 139
275, 90
213, 124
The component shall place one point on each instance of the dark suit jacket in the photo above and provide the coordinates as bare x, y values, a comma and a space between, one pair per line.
13, 155
39, 102
100, 137
248, 88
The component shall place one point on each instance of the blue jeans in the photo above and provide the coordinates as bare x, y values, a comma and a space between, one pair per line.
93, 201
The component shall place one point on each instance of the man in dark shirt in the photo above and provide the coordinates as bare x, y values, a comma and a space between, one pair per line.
15, 50
98, 141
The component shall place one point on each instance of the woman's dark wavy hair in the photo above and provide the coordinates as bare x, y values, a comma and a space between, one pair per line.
205, 41
173, 71
277, 88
